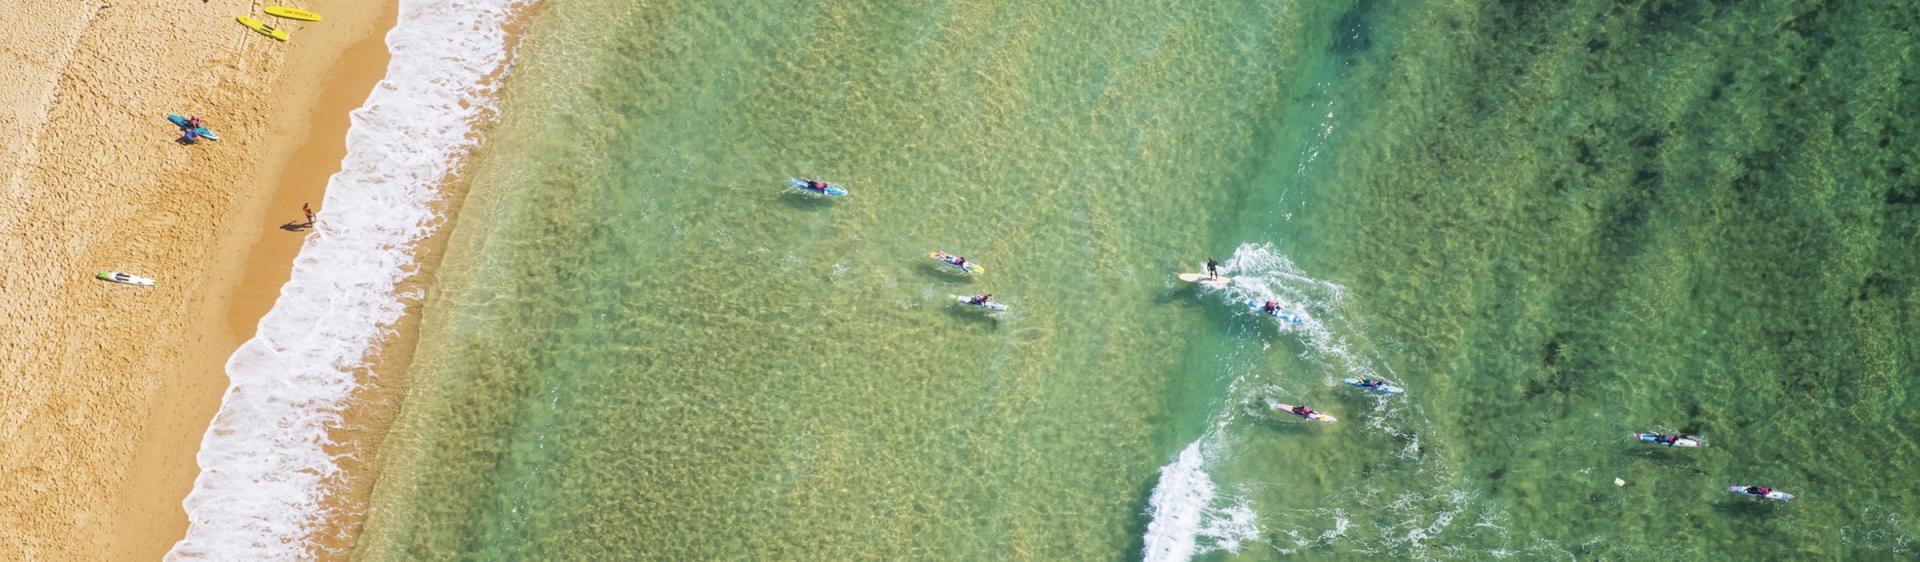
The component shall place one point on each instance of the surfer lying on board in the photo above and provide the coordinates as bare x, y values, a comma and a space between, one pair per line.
819, 186
1303, 411
980, 299
1213, 269
1372, 383
1271, 307
1759, 490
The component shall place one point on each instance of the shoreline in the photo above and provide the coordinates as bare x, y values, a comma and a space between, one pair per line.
358, 441
294, 444
109, 422
259, 260
371, 412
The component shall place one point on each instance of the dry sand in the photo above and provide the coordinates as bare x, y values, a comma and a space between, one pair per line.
108, 388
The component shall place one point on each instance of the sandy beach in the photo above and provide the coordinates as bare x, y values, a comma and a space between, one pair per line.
110, 387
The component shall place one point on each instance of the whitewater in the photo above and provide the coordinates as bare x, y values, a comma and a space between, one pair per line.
266, 475
1192, 514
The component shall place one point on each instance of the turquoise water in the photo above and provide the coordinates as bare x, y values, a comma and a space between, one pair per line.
1556, 225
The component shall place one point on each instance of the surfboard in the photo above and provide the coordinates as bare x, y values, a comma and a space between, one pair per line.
202, 131
831, 190
118, 277
1287, 409
1654, 438
261, 27
995, 306
1382, 389
1281, 314
1771, 495
1203, 279
946, 258
291, 13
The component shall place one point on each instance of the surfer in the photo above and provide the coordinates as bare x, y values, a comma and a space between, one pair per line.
193, 122
1213, 268
959, 261
978, 300
1761, 491
1271, 307
1303, 411
308, 209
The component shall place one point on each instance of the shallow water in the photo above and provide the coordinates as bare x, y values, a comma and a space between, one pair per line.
1555, 227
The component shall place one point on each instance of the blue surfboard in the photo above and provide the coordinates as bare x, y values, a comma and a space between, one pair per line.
1285, 316
831, 191
1383, 389
181, 122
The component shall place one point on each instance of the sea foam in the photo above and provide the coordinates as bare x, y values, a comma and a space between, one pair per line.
1187, 515
265, 473
1260, 273
1178, 507
1186, 518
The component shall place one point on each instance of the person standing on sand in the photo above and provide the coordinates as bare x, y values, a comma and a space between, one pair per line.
308, 209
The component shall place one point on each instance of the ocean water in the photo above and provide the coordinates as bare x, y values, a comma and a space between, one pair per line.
1555, 224
1686, 216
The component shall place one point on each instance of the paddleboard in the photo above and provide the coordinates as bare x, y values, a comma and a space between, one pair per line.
291, 13
1203, 279
1383, 389
990, 305
1654, 438
1775, 495
118, 277
261, 27
201, 131
1287, 409
832, 190
946, 258
1283, 315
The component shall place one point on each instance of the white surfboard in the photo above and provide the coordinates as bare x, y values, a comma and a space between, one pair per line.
1203, 279
1287, 409
118, 277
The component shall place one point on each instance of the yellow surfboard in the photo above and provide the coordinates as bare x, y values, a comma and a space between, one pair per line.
263, 28
291, 13
946, 259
